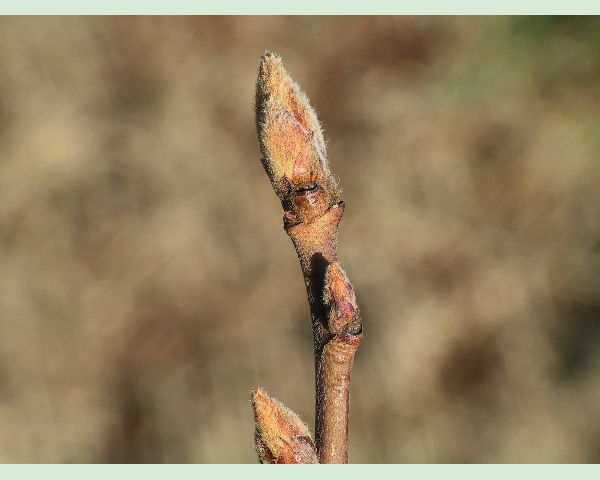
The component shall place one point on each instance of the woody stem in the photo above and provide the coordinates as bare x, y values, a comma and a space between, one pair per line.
315, 243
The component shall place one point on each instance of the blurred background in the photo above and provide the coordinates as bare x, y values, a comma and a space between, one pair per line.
146, 282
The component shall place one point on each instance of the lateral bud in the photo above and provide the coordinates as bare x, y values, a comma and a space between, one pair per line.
280, 435
339, 296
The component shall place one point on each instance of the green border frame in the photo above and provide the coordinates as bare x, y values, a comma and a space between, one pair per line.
300, 7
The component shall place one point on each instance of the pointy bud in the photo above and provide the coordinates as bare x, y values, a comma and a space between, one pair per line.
291, 142
280, 435
339, 295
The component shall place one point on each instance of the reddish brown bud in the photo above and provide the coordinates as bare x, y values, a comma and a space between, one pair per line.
280, 436
339, 295
291, 143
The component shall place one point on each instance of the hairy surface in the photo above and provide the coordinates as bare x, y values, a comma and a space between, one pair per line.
280, 436
291, 143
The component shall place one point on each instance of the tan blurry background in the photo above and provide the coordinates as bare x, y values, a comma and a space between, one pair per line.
146, 283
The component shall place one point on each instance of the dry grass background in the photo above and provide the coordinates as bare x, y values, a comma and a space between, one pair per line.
146, 283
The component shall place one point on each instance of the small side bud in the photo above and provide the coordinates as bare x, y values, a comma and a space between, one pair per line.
339, 295
280, 436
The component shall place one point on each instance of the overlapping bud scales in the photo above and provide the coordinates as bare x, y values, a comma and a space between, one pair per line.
339, 295
291, 141
280, 436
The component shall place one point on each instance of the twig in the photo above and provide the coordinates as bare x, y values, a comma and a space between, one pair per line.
293, 155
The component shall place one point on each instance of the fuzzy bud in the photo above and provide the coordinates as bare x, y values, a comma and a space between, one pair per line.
291, 143
280, 436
